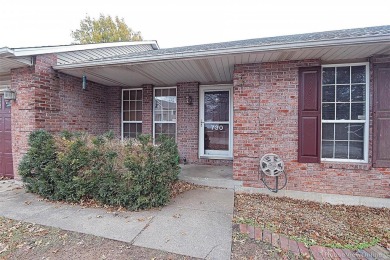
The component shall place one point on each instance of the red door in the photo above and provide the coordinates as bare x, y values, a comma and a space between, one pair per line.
6, 165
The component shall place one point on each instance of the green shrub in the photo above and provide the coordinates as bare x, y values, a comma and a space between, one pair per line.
73, 166
39, 166
152, 170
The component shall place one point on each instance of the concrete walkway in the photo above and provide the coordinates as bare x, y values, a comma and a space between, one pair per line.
197, 223
209, 175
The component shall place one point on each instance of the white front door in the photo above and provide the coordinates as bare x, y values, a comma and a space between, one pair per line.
216, 127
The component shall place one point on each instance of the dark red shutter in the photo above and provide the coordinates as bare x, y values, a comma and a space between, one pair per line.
309, 115
381, 116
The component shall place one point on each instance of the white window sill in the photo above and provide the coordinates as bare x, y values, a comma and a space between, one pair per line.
212, 157
346, 164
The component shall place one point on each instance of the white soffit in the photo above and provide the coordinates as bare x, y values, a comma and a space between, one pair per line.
5, 80
6, 64
216, 68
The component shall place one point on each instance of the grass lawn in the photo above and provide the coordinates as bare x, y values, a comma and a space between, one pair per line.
21, 240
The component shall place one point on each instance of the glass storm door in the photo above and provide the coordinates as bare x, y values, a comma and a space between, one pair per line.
215, 139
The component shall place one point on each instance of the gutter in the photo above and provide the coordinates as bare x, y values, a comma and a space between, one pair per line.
233, 50
30, 51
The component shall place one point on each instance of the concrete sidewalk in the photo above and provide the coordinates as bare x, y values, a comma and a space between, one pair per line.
197, 223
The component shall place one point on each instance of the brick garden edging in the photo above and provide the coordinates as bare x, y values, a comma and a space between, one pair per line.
317, 252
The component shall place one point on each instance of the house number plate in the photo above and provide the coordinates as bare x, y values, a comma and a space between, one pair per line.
217, 127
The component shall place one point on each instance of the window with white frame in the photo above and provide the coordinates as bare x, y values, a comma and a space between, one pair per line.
131, 113
164, 112
345, 112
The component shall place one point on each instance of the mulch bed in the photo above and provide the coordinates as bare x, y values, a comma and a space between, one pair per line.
316, 223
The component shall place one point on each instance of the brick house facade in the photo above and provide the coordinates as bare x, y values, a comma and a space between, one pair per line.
265, 105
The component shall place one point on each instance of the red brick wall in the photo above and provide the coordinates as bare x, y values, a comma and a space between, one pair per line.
55, 102
147, 109
114, 106
22, 112
83, 110
266, 121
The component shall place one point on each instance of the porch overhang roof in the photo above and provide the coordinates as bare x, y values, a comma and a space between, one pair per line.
214, 63
12, 58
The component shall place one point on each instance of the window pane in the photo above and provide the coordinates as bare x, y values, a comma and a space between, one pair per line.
341, 150
341, 131
157, 116
133, 95
327, 149
157, 104
216, 136
342, 94
356, 132
132, 105
126, 95
357, 111
172, 92
172, 116
139, 94
165, 92
358, 93
135, 130
139, 128
126, 127
328, 111
139, 105
165, 115
157, 128
216, 106
157, 93
132, 116
342, 75
342, 111
356, 150
328, 94
138, 116
133, 127
126, 116
171, 128
328, 76
358, 74
328, 131
172, 105
126, 105
167, 129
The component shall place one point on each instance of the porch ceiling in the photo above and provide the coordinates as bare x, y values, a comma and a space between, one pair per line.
218, 68
7, 63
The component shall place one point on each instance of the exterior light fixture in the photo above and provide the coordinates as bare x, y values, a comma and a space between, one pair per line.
189, 100
9, 94
84, 86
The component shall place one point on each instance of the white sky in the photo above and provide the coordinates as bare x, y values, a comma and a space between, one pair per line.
25, 23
